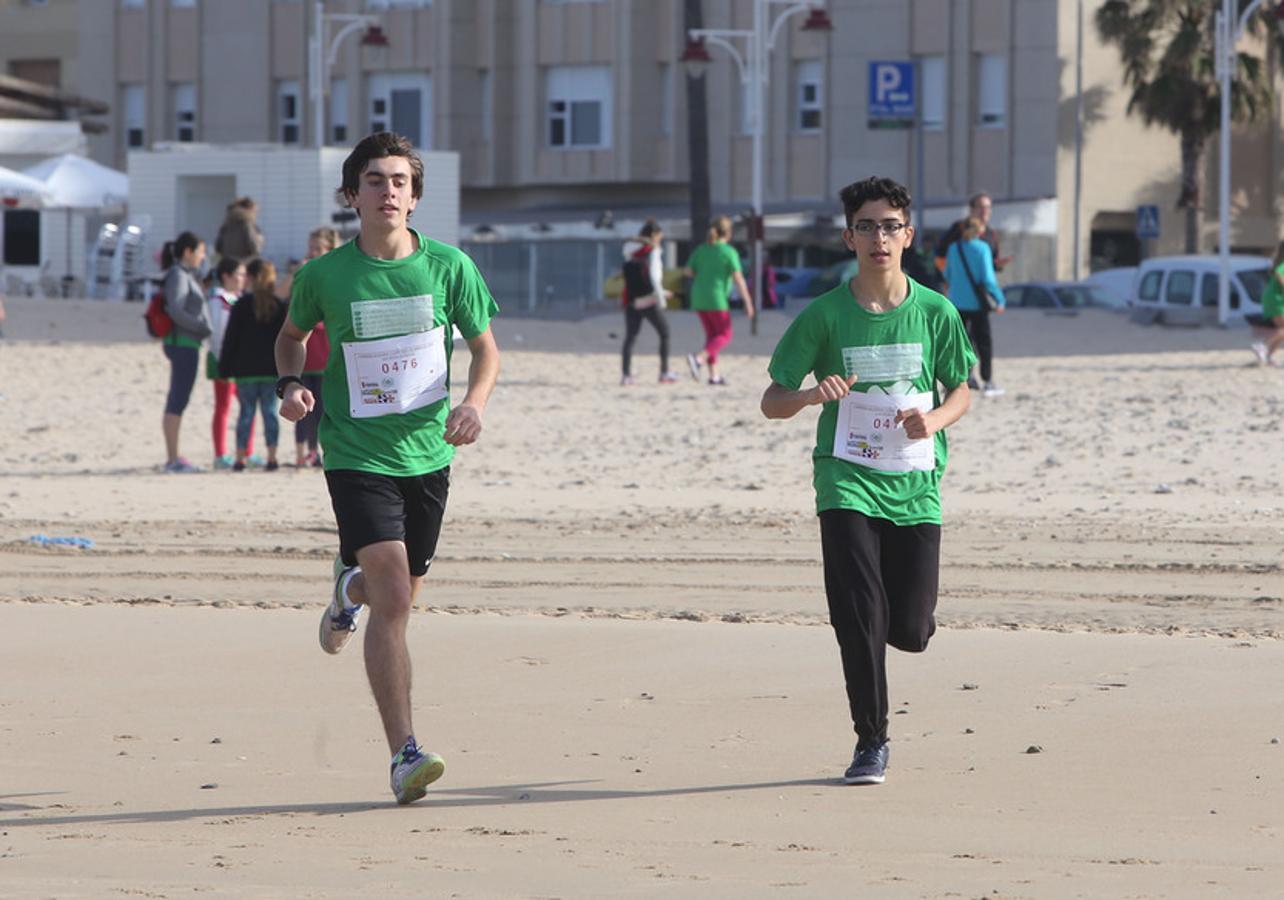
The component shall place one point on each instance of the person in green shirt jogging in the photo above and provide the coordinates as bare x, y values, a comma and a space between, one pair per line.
1269, 329
390, 300
880, 347
715, 265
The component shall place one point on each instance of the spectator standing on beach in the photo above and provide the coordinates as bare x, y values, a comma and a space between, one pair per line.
307, 448
980, 207
975, 292
644, 297
185, 304
390, 300
878, 346
248, 357
239, 236
1270, 328
715, 266
229, 277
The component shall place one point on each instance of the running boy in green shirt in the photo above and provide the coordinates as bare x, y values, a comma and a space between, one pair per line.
390, 300
878, 346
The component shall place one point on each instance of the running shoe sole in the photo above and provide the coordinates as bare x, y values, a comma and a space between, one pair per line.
415, 785
326, 629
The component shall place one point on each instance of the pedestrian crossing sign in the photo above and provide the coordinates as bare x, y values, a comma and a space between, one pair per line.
1147, 221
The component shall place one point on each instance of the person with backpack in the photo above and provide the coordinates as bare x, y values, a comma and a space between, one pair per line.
644, 297
249, 356
975, 292
184, 305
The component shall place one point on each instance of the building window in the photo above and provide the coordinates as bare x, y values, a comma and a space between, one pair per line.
810, 96
339, 110
185, 112
486, 88
666, 99
402, 102
932, 111
133, 102
42, 71
21, 237
992, 91
579, 106
287, 111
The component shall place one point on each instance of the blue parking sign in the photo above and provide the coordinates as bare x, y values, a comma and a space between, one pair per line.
891, 94
1147, 222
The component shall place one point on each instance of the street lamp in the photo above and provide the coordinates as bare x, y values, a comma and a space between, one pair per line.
1228, 32
757, 44
319, 65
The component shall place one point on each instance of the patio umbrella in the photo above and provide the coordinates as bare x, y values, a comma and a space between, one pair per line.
78, 183
17, 189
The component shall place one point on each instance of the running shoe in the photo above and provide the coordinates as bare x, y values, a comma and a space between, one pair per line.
694, 365
412, 771
182, 466
718, 382
668, 378
1259, 350
272, 465
339, 621
992, 390
627, 381
869, 766
226, 461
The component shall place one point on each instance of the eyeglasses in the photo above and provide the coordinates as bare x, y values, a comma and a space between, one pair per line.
866, 227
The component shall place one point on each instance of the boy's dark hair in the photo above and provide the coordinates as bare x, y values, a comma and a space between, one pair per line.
380, 145
226, 266
858, 193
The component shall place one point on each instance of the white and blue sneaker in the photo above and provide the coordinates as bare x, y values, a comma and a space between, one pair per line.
869, 766
413, 770
339, 620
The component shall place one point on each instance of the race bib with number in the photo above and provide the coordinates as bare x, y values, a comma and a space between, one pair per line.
397, 374
868, 434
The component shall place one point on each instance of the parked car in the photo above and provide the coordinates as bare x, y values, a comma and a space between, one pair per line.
1115, 283
1182, 290
1056, 297
795, 282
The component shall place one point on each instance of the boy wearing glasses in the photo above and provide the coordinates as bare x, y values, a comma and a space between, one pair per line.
880, 347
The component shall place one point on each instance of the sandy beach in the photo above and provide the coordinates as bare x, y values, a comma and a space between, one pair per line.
622, 650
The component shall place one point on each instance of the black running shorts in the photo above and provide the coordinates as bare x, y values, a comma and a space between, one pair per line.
370, 508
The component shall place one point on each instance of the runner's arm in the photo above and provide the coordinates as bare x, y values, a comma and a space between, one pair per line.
743, 288
778, 402
291, 354
463, 425
920, 425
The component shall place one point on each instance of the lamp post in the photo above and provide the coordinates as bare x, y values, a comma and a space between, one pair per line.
757, 44
319, 65
1229, 29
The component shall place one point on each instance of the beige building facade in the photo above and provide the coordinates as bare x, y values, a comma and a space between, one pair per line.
571, 107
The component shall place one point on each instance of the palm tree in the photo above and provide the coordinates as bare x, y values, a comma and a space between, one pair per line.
697, 134
1167, 51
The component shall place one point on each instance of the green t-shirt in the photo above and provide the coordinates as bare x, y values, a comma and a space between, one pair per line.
437, 285
925, 344
713, 264
1273, 295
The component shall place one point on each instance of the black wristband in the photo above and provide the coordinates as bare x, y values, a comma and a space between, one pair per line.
285, 381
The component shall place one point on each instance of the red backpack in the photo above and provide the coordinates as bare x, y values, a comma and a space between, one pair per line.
158, 321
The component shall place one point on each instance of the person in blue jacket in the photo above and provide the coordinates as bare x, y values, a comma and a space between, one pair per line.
969, 269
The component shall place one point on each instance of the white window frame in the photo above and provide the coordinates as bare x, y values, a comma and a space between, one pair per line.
809, 79
184, 93
570, 93
133, 114
381, 86
339, 110
992, 90
933, 90
288, 100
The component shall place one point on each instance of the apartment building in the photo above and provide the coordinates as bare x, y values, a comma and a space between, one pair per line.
561, 109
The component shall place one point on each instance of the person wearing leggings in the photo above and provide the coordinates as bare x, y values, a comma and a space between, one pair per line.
230, 282
644, 298
185, 304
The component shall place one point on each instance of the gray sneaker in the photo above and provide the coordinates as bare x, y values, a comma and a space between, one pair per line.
412, 771
338, 622
869, 766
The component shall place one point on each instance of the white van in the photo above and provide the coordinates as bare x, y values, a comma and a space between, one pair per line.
1182, 290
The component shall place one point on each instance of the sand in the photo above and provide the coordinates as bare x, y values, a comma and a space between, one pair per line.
622, 651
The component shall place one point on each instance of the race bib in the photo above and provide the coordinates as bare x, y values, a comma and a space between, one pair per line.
868, 435
397, 374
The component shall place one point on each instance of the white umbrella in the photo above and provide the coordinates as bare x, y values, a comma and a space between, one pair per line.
17, 189
77, 182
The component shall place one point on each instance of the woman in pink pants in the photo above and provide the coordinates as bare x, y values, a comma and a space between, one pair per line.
715, 265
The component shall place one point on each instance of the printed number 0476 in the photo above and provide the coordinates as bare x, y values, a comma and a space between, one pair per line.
400, 365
